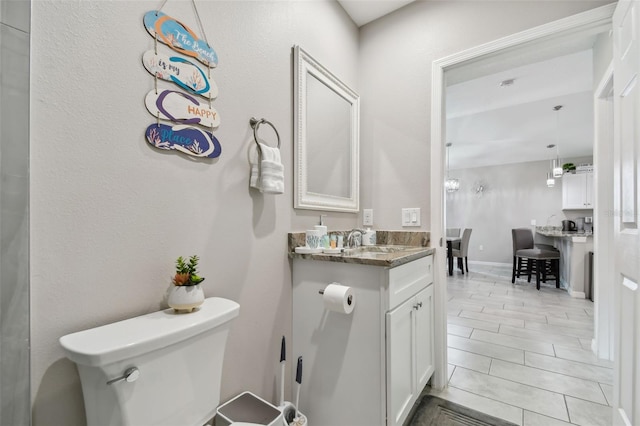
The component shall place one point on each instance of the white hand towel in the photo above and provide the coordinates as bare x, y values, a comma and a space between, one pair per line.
267, 171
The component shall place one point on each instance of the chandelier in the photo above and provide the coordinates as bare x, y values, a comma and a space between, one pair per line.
450, 184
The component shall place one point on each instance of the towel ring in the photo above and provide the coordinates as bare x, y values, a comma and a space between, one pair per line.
255, 124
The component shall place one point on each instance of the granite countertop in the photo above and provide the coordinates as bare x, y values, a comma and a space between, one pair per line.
394, 249
551, 231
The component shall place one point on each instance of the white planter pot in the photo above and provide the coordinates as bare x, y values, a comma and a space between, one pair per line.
185, 297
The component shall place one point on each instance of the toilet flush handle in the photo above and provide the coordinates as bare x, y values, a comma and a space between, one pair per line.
130, 375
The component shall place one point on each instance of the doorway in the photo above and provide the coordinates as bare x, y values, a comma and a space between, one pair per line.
543, 38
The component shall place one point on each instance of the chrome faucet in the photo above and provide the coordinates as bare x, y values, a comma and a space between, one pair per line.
354, 239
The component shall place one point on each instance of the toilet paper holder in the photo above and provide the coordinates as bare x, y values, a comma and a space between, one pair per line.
349, 298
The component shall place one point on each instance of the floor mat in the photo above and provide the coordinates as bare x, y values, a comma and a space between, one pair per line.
434, 411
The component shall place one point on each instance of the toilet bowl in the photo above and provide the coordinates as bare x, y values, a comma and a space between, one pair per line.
159, 369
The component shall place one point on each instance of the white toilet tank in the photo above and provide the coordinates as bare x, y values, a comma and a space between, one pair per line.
178, 358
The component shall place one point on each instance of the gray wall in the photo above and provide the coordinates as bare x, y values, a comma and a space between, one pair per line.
110, 214
14, 213
513, 196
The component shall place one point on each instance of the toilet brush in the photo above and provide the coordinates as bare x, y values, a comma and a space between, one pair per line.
300, 419
299, 383
287, 408
283, 352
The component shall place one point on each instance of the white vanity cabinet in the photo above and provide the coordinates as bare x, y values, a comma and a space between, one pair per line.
369, 367
577, 191
409, 353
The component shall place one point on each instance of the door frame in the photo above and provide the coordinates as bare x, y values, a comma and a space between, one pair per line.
585, 22
603, 343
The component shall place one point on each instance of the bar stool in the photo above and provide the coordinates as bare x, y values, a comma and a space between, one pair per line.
548, 270
543, 262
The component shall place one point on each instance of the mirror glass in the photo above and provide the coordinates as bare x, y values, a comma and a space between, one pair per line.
327, 139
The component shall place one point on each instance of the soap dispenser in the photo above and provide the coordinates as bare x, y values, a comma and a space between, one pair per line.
322, 228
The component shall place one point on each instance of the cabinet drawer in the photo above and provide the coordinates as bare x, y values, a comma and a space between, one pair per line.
408, 279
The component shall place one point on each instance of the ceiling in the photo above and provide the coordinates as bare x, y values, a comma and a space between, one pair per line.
364, 11
490, 124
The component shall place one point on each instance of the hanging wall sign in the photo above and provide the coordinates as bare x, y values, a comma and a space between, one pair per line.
183, 138
180, 108
179, 37
184, 73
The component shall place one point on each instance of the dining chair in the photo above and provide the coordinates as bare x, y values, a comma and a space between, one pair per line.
462, 252
453, 232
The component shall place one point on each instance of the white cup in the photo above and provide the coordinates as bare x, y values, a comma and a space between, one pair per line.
312, 238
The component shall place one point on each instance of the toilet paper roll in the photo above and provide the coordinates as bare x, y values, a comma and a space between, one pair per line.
338, 298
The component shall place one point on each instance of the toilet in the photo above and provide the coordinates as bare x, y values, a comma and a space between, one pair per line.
159, 369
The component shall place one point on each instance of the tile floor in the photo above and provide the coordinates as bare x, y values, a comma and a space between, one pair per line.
521, 354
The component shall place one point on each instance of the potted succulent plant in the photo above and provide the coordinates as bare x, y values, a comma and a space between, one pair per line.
186, 294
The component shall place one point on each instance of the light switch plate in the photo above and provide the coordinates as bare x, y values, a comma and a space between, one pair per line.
411, 216
367, 217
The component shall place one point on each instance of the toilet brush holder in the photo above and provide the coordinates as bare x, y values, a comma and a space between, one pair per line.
289, 414
301, 420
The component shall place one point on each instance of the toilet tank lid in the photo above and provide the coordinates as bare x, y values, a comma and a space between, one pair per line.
135, 336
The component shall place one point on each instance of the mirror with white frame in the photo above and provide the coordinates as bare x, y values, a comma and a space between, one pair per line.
327, 131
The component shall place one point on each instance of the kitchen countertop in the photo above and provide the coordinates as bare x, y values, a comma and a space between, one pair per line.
561, 233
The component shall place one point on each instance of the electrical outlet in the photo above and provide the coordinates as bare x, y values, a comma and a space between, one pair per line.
533, 222
481, 247
411, 216
367, 217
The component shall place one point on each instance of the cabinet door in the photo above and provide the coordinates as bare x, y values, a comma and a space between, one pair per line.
588, 184
424, 337
400, 376
573, 191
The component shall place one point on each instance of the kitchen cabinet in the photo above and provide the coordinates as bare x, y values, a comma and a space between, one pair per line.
574, 259
367, 368
577, 191
409, 353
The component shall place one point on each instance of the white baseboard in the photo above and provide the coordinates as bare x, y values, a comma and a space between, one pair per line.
480, 262
576, 294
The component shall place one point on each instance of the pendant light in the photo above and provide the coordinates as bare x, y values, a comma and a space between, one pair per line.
550, 180
550, 174
450, 184
556, 167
